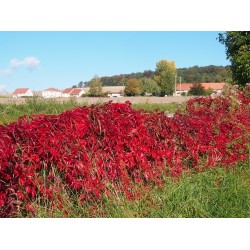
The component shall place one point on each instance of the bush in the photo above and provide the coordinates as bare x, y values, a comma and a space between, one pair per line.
133, 87
89, 152
197, 90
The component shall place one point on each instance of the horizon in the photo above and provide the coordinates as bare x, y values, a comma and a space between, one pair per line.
39, 60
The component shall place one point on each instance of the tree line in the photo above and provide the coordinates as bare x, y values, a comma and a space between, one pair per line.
193, 74
162, 81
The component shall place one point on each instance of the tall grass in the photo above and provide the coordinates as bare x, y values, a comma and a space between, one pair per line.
216, 193
12, 111
164, 107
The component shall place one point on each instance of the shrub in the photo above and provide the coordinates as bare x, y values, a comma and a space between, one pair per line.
93, 151
197, 90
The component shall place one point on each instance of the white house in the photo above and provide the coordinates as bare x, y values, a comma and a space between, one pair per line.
182, 88
77, 92
51, 93
22, 92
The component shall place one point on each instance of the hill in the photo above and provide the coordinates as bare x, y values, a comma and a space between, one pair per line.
193, 74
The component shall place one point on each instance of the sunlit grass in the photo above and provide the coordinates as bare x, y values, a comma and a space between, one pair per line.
216, 193
164, 107
12, 111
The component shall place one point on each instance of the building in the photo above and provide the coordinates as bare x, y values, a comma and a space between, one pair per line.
73, 92
66, 92
77, 92
114, 95
113, 90
22, 92
51, 93
215, 86
185, 87
109, 89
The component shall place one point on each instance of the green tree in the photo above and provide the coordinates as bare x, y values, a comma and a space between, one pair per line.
123, 82
164, 76
237, 45
133, 87
209, 91
95, 86
150, 86
197, 89
81, 84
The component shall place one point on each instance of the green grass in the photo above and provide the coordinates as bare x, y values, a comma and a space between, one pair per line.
11, 112
213, 194
165, 107
216, 193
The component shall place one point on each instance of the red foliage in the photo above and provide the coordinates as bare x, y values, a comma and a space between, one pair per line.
91, 147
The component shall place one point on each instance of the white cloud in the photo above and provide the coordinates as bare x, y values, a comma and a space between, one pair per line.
29, 62
2, 88
14, 63
6, 72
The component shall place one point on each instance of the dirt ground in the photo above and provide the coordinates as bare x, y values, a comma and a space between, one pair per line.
93, 100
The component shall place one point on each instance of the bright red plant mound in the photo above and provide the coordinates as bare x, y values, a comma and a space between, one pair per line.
88, 150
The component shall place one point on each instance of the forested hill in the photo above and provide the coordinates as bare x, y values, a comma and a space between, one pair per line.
189, 75
198, 74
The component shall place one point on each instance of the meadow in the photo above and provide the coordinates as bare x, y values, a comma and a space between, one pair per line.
71, 161
11, 111
216, 193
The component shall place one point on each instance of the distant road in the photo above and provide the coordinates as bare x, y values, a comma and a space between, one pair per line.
92, 100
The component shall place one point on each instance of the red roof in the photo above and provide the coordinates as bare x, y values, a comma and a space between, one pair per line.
213, 85
67, 90
52, 89
184, 86
20, 91
206, 85
76, 91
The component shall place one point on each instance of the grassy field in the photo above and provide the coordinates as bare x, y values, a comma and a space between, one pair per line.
216, 193
9, 112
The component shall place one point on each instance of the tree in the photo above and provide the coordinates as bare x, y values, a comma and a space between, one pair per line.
123, 82
150, 86
133, 87
209, 91
197, 89
81, 84
95, 86
164, 76
148, 73
237, 45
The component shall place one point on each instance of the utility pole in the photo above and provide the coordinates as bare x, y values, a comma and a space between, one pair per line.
180, 84
175, 84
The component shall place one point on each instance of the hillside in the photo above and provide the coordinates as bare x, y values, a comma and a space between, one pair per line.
193, 74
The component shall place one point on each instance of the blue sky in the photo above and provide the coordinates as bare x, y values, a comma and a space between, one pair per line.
39, 60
